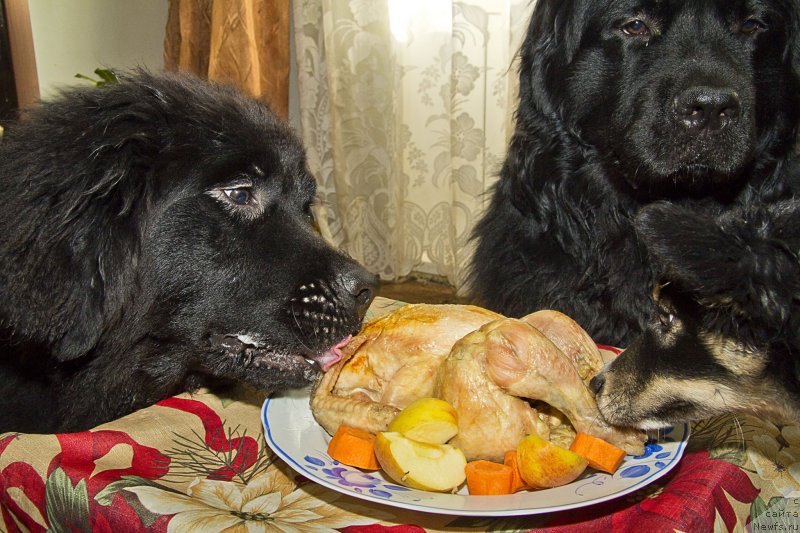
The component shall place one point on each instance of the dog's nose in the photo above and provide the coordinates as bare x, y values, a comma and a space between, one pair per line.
709, 109
361, 285
597, 382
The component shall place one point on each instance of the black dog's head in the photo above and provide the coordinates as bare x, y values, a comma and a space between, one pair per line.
667, 96
161, 228
726, 335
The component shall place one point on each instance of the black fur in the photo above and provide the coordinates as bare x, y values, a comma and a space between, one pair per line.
608, 123
727, 320
157, 236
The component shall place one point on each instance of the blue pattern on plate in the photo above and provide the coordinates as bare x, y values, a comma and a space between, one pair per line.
352, 478
649, 462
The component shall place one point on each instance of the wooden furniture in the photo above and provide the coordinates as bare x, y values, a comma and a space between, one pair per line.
20, 38
8, 89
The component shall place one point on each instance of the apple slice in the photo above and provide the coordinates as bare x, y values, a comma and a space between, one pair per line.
419, 465
543, 464
428, 420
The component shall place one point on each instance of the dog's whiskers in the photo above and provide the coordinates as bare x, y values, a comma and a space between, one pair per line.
298, 329
739, 433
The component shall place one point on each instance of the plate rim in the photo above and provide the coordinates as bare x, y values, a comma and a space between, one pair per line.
422, 507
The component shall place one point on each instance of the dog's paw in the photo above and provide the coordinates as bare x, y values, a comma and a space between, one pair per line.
679, 240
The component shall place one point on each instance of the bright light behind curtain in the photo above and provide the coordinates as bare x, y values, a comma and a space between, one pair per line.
406, 110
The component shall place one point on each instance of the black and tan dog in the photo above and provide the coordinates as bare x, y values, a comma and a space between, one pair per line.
725, 334
157, 236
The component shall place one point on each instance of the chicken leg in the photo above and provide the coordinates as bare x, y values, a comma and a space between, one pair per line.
523, 362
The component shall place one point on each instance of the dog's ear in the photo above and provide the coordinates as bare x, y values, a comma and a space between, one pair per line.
84, 174
792, 21
745, 259
114, 202
550, 44
78, 321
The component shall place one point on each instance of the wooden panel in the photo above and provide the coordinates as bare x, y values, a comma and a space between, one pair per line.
8, 90
242, 42
22, 53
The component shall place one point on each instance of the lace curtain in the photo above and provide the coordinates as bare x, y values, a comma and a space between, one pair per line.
406, 110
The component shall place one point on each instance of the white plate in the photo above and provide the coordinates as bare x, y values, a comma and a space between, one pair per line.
295, 437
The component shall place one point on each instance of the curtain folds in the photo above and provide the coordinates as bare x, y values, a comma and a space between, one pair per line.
242, 42
406, 108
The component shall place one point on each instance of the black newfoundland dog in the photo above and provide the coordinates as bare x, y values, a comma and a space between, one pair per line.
624, 103
157, 236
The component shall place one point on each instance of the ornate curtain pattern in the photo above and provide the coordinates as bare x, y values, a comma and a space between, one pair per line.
406, 111
242, 42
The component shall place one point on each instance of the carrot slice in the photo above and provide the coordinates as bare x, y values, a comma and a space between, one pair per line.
354, 447
517, 483
486, 478
598, 453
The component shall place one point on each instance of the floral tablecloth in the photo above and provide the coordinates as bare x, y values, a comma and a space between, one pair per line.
199, 462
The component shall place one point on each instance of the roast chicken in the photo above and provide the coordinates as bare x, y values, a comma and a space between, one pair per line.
505, 377
491, 372
390, 363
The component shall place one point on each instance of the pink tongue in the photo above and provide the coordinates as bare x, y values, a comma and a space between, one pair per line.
332, 356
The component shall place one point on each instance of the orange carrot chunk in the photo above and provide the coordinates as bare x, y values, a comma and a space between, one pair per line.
598, 453
517, 483
354, 447
486, 478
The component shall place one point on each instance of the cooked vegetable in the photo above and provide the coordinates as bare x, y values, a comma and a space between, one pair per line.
598, 453
486, 478
353, 447
517, 483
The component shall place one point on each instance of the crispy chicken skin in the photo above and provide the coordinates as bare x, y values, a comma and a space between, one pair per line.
390, 363
570, 338
490, 421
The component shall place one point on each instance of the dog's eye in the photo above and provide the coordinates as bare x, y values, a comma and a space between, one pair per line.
239, 195
242, 200
751, 26
636, 28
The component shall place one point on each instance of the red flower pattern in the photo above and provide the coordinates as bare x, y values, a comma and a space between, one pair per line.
690, 499
22, 477
79, 451
5, 441
377, 528
77, 459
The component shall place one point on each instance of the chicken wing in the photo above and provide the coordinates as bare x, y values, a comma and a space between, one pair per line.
571, 339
